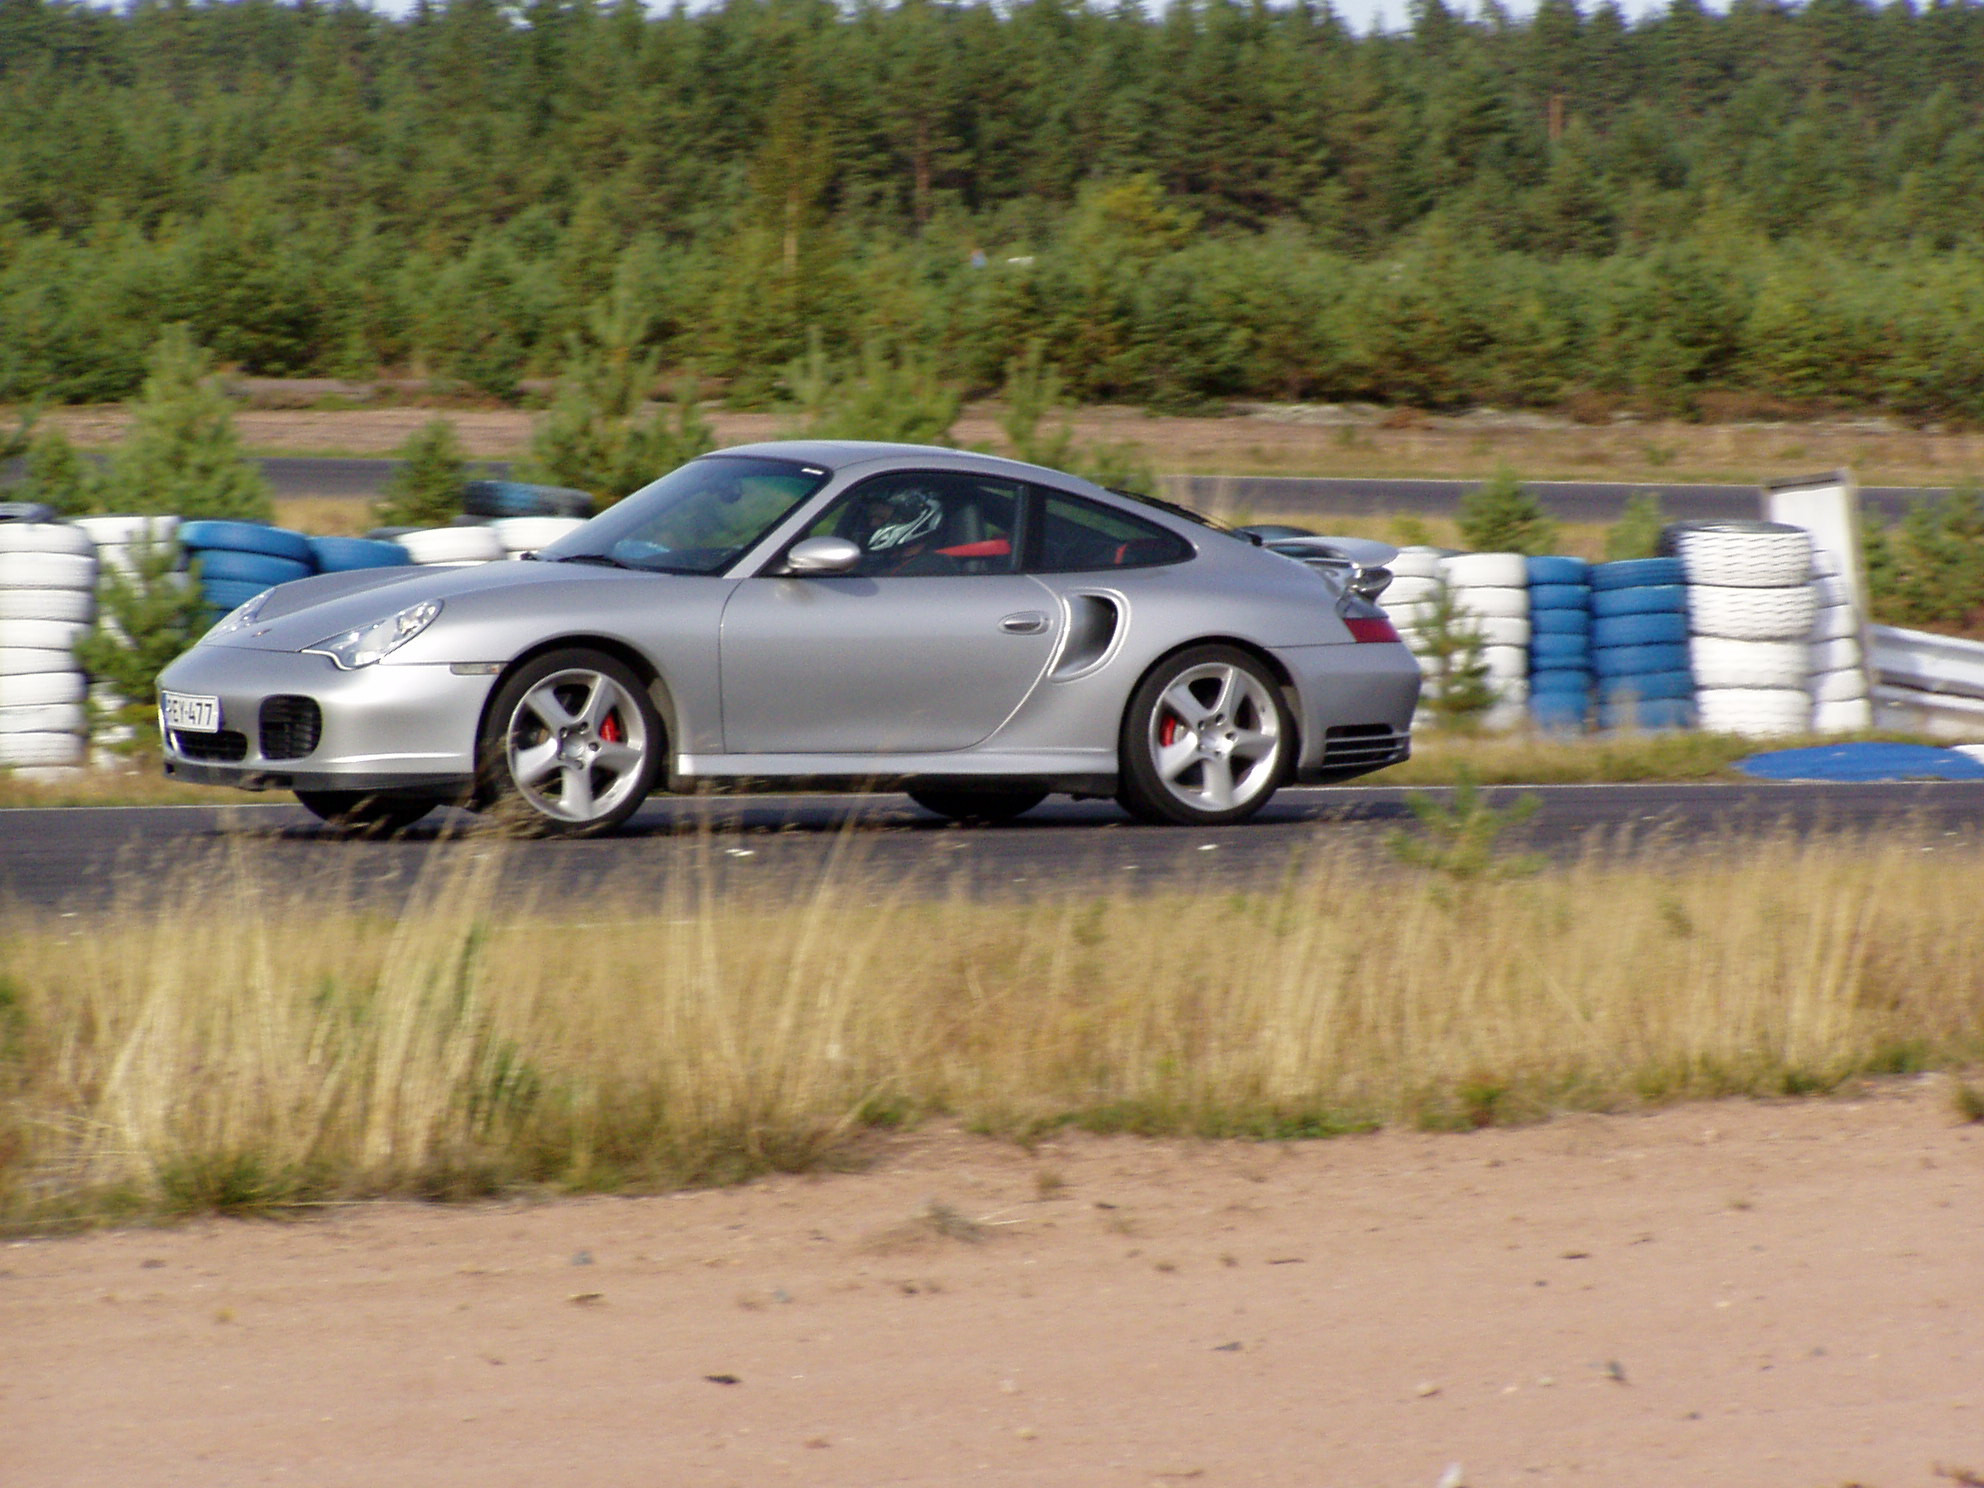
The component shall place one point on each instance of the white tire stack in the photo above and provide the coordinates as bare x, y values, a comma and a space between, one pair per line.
1751, 609
1490, 593
452, 546
47, 595
521, 535
1840, 703
118, 539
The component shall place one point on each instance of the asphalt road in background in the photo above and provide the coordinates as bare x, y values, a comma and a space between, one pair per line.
1570, 501
74, 860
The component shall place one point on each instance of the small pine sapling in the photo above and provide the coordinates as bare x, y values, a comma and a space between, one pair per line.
145, 619
426, 486
1459, 688
1637, 532
1501, 515
182, 454
1458, 838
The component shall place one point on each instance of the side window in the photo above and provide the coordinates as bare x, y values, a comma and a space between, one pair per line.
925, 523
1077, 534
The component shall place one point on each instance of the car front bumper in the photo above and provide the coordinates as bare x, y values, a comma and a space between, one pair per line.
382, 728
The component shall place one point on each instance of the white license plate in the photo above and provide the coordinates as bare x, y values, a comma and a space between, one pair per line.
189, 714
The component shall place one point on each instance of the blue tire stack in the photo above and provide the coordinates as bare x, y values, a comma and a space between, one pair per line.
343, 554
1559, 643
1639, 644
238, 560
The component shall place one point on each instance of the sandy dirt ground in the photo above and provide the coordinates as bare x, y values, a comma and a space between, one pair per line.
1743, 1294
1277, 441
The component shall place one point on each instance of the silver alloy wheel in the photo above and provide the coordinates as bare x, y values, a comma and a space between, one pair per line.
1215, 737
576, 745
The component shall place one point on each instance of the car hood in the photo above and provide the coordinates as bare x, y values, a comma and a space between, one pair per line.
303, 612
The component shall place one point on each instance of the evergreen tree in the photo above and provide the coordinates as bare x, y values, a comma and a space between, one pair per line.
893, 397
1930, 569
146, 619
595, 437
426, 486
182, 454
1502, 516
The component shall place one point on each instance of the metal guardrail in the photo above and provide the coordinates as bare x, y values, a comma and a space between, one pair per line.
1922, 662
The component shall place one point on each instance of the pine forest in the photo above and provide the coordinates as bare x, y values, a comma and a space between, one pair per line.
1170, 206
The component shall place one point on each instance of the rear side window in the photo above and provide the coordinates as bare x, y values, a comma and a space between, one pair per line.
1074, 535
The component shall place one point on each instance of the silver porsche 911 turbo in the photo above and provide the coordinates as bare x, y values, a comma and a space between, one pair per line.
826, 614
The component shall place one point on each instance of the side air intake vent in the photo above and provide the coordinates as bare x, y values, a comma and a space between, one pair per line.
1093, 620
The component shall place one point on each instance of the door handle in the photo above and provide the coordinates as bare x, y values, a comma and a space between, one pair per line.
1026, 622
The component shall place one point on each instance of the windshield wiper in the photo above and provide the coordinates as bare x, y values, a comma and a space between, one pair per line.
605, 560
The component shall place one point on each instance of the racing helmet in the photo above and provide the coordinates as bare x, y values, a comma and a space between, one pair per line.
903, 517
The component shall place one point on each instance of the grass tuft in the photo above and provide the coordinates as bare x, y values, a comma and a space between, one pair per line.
1967, 1099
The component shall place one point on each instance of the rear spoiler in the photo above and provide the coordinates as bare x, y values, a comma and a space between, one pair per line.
1357, 563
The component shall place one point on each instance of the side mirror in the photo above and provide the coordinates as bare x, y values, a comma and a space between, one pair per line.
822, 555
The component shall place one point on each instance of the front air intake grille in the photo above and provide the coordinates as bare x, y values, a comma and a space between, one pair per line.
225, 747
1363, 744
291, 727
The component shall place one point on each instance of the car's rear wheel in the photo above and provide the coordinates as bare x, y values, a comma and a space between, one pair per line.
571, 746
978, 807
1206, 739
364, 814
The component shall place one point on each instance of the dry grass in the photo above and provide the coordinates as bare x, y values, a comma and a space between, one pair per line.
324, 516
1598, 759
137, 784
245, 1048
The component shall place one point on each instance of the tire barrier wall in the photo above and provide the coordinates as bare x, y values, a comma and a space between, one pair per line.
47, 600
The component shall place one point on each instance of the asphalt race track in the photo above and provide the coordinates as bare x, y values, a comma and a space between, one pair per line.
1571, 501
73, 860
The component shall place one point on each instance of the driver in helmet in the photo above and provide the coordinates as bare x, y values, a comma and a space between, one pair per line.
896, 530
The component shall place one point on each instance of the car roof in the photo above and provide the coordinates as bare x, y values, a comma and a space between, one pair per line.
844, 454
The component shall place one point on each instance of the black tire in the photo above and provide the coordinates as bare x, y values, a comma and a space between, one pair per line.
362, 814
978, 808
1206, 716
603, 758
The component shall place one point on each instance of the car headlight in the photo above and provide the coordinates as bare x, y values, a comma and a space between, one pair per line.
369, 643
240, 617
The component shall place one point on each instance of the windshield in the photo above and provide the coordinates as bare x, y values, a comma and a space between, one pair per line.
696, 519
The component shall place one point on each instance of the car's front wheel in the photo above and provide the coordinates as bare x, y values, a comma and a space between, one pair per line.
363, 814
1206, 739
571, 746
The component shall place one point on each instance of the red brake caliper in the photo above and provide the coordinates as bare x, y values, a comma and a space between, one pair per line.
1167, 731
609, 728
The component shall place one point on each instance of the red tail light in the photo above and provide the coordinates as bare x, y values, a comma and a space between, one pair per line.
1370, 628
